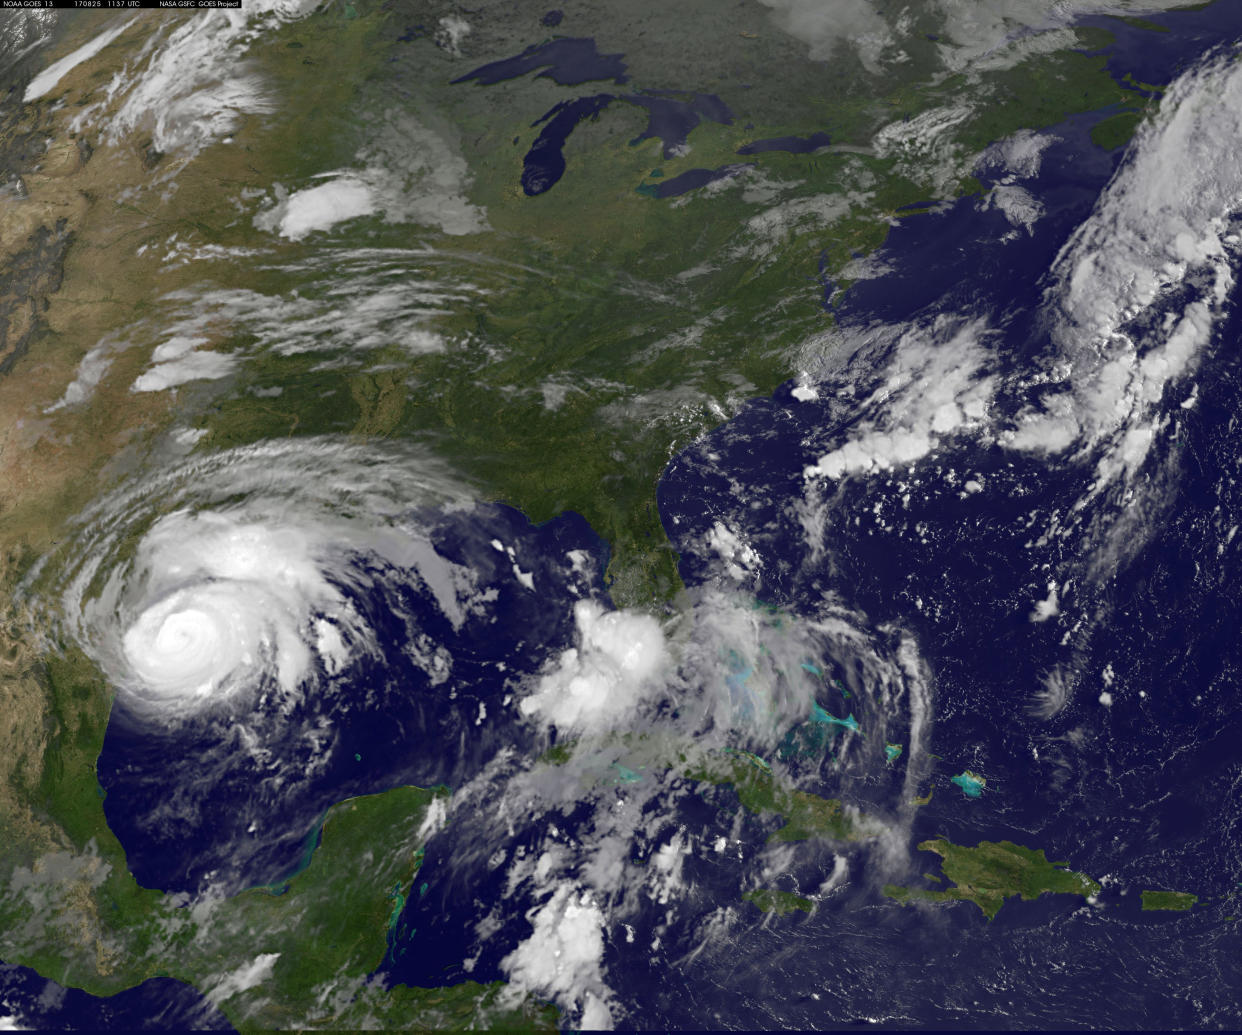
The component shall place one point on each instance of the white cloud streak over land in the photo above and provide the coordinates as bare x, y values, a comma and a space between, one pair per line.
355, 301
191, 84
335, 201
407, 174
247, 976
46, 81
178, 360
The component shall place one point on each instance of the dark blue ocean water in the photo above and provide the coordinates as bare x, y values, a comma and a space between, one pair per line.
161, 1004
181, 799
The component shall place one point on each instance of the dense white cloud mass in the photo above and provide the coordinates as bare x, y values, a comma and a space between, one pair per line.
1160, 228
598, 684
187, 366
563, 956
407, 174
1156, 253
230, 597
190, 84
931, 391
344, 197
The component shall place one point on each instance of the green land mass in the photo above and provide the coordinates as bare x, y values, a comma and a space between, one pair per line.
586, 290
761, 791
1179, 901
993, 871
656, 360
782, 903
1114, 132
73, 911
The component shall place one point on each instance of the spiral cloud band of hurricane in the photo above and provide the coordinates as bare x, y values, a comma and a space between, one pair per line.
221, 600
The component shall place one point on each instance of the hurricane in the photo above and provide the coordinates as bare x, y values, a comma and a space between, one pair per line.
194, 643
191, 604
246, 603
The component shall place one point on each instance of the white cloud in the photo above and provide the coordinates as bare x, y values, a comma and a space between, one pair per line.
824, 26
933, 388
1047, 608
739, 559
425, 178
1001, 31
974, 33
193, 366
618, 663
25, 32
1020, 155
744, 677
234, 597
220, 600
452, 30
407, 174
434, 819
364, 313
191, 84
554, 394
920, 135
1020, 207
562, 957
1159, 227
664, 876
367, 299
189, 436
90, 372
773, 226
318, 208
247, 976
925, 146
50, 76
176, 347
